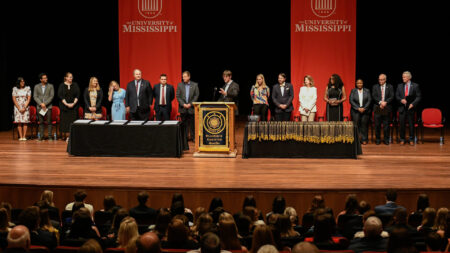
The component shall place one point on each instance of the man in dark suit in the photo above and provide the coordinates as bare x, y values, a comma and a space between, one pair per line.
360, 100
139, 97
409, 95
390, 206
282, 96
164, 94
372, 240
383, 96
142, 211
187, 93
230, 91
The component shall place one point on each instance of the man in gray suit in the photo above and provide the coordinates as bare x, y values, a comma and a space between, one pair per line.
187, 93
43, 96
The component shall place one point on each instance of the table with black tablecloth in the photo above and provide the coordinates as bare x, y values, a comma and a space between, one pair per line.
290, 148
127, 140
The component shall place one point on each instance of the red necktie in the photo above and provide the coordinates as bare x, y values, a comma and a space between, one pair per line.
406, 90
163, 96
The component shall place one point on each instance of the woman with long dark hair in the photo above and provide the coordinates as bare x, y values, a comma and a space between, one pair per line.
335, 96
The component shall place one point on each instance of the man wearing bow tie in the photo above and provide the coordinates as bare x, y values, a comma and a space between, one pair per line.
409, 95
139, 97
282, 96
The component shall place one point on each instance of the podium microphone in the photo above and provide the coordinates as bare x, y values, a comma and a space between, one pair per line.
214, 94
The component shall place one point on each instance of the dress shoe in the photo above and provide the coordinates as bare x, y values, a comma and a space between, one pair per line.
386, 142
364, 143
378, 142
402, 143
411, 143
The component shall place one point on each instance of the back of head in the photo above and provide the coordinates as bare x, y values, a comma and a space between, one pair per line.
4, 219
351, 204
204, 224
147, 243
162, 221
268, 248
127, 231
261, 236
80, 195
433, 241
243, 224
429, 215
215, 203
29, 217
77, 206
323, 227
391, 195
283, 224
90, 246
290, 211
249, 201
317, 202
210, 243
177, 232
142, 197
422, 202
109, 202
441, 219
400, 216
82, 223
177, 208
47, 198
373, 227
278, 205
399, 241
228, 235
363, 207
305, 247
118, 217
19, 237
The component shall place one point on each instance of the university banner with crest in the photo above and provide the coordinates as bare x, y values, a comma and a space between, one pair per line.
323, 42
150, 40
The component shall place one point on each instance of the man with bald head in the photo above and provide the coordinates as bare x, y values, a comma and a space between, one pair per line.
372, 240
18, 240
139, 97
305, 247
146, 243
383, 97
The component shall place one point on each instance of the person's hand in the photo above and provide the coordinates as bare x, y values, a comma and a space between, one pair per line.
43, 106
188, 106
71, 105
92, 109
361, 110
283, 107
306, 110
223, 92
403, 101
127, 109
111, 89
383, 103
410, 106
22, 110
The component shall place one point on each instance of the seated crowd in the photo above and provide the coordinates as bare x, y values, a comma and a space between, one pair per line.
385, 228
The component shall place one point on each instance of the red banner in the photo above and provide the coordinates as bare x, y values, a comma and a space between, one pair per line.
150, 40
323, 42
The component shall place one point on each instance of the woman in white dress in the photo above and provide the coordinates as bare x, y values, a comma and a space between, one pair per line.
308, 99
21, 96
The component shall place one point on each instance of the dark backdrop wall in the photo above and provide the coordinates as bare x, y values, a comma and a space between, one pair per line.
247, 37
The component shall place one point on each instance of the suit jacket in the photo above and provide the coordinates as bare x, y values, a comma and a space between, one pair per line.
387, 209
170, 95
354, 99
388, 96
286, 99
181, 96
45, 98
414, 95
359, 245
145, 96
140, 211
87, 101
232, 95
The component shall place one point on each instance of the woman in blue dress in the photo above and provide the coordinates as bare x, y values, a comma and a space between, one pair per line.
117, 95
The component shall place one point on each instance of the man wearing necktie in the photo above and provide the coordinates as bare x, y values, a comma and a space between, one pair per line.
230, 91
187, 93
383, 96
282, 96
409, 95
139, 97
164, 94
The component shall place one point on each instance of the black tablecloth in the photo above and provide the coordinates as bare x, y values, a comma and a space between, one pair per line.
114, 140
297, 149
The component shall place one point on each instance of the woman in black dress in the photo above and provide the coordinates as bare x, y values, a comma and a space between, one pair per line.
334, 96
68, 94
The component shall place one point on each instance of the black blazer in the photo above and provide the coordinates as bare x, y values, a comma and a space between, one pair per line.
286, 99
414, 95
145, 95
388, 96
354, 99
170, 95
232, 93
87, 101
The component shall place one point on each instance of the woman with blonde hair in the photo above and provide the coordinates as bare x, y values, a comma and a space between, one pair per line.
440, 224
117, 96
46, 202
93, 96
260, 93
127, 231
308, 98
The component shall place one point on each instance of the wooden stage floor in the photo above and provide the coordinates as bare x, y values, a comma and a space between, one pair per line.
27, 168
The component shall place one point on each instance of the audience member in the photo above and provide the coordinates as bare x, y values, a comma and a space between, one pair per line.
29, 217
142, 213
18, 240
90, 246
390, 206
80, 196
372, 240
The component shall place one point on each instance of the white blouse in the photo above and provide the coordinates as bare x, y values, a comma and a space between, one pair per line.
307, 98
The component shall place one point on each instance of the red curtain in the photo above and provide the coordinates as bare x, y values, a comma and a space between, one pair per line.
323, 42
150, 40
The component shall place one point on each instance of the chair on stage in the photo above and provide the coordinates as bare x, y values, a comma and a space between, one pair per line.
33, 121
432, 118
104, 113
80, 112
55, 119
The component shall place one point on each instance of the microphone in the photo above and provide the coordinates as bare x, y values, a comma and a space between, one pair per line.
214, 94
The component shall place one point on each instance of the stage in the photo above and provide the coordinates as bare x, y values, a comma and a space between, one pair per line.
27, 168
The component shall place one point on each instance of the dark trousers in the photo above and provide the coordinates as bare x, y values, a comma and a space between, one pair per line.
361, 120
381, 119
407, 116
163, 113
283, 116
261, 110
142, 113
188, 121
48, 119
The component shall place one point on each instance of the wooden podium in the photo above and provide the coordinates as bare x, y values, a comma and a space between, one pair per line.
214, 129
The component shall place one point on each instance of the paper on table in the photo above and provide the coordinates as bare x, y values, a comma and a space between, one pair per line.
43, 112
99, 122
135, 123
82, 121
151, 123
170, 122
